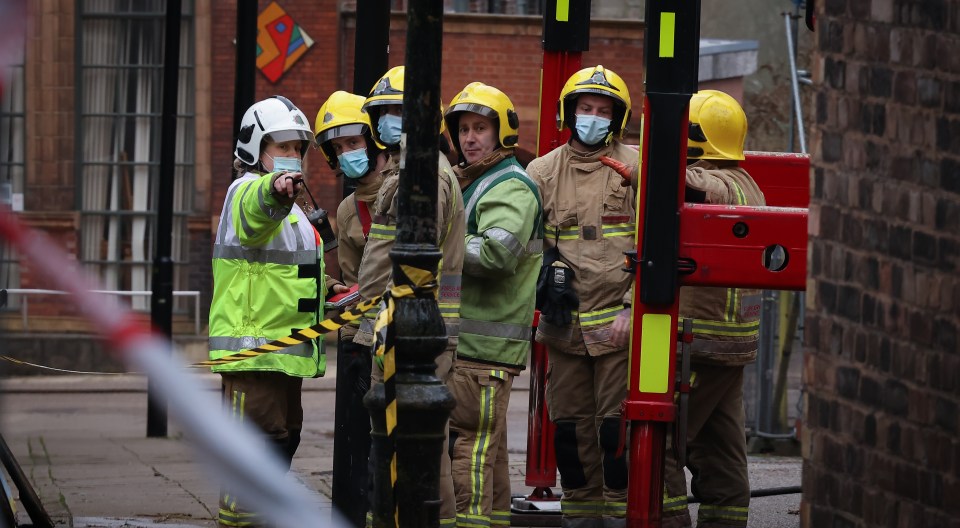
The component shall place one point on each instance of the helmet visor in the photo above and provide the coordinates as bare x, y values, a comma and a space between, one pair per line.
353, 129
279, 136
476, 108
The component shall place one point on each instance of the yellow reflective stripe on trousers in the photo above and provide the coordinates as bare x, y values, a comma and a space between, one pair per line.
722, 328
472, 521
451, 522
727, 513
500, 518
481, 446
615, 509
383, 231
617, 230
597, 317
674, 503
730, 306
582, 508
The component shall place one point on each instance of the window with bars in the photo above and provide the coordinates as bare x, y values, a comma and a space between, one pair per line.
119, 98
12, 167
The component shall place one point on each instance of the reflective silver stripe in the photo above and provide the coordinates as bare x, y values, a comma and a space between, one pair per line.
507, 239
228, 215
535, 246
299, 235
274, 214
482, 187
493, 329
471, 256
237, 344
243, 217
453, 329
265, 256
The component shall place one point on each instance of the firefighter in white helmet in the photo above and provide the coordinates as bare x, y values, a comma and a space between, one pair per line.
264, 234
725, 332
384, 105
589, 219
504, 250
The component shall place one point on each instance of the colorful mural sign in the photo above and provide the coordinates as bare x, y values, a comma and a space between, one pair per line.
280, 42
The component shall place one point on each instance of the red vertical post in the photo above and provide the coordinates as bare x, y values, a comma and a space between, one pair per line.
566, 34
671, 55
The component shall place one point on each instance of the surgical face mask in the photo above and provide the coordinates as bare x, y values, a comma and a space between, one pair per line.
592, 129
281, 164
389, 129
355, 163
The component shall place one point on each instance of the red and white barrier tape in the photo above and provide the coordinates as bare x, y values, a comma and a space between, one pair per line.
232, 450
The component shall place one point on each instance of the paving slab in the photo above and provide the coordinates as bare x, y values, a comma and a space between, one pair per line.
82, 442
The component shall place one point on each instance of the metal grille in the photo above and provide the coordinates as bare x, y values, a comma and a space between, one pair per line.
120, 78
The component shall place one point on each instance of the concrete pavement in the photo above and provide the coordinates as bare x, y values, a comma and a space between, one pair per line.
82, 442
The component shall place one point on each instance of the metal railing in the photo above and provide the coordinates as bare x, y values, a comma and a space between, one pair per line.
25, 293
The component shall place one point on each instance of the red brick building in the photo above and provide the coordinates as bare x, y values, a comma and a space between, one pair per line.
82, 125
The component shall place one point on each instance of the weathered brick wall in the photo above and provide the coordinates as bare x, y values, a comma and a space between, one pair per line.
307, 84
882, 366
506, 52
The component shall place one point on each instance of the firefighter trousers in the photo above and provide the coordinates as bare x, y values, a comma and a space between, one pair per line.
716, 453
478, 445
584, 395
271, 401
448, 505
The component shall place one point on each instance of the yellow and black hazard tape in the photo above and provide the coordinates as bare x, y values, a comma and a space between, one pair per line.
301, 336
422, 281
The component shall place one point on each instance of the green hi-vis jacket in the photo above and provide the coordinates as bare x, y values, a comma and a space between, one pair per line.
267, 281
502, 258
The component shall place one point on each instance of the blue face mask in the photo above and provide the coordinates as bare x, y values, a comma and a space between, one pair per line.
281, 164
389, 128
592, 129
355, 163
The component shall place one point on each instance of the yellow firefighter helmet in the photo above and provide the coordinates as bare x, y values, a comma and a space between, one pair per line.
718, 127
595, 80
339, 116
487, 101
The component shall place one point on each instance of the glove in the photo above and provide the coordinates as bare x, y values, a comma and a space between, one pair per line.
629, 173
560, 298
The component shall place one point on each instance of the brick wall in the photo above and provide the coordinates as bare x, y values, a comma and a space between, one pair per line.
882, 368
505, 51
308, 83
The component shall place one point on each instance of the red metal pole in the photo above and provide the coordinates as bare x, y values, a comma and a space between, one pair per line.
565, 36
671, 48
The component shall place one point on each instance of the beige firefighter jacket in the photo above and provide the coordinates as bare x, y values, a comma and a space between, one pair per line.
376, 266
590, 215
351, 240
726, 321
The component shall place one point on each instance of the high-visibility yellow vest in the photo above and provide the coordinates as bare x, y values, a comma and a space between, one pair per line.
267, 272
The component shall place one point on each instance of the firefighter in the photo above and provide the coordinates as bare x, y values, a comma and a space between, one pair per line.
344, 138
589, 220
504, 250
725, 332
264, 234
384, 105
